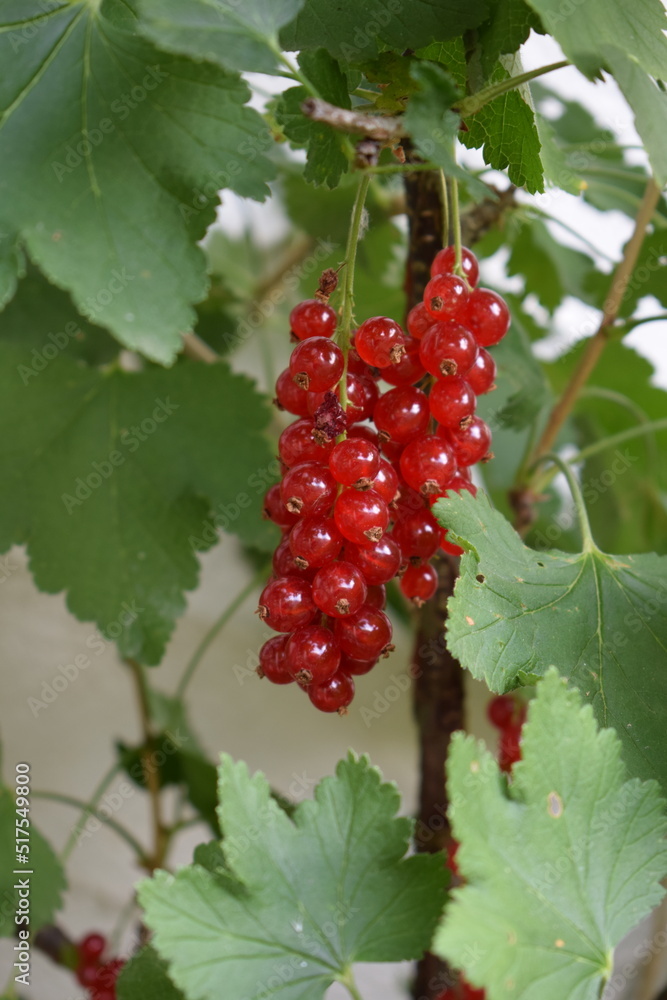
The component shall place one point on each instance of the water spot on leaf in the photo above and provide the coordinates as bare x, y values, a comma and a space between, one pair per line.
554, 805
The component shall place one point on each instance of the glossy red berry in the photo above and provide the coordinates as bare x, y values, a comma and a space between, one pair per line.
317, 364
286, 604
315, 541
448, 349
402, 414
386, 481
482, 376
445, 296
469, 992
365, 635
86, 975
377, 597
379, 563
408, 370
486, 315
308, 488
500, 710
297, 444
356, 668
312, 318
284, 564
359, 367
427, 464
364, 431
339, 589
91, 948
312, 654
509, 747
419, 583
470, 444
451, 400
289, 396
272, 663
361, 516
275, 510
333, 695
419, 535
354, 462
362, 395
444, 261
379, 341
419, 320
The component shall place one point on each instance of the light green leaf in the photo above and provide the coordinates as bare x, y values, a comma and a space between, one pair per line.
115, 480
312, 895
601, 619
521, 382
505, 31
46, 883
550, 270
355, 31
234, 35
112, 156
575, 859
146, 977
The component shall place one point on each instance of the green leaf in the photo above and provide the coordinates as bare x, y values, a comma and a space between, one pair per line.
355, 31
11, 267
236, 36
521, 381
115, 480
391, 72
550, 270
46, 883
113, 154
601, 619
311, 896
575, 859
434, 127
505, 31
145, 977
506, 132
326, 159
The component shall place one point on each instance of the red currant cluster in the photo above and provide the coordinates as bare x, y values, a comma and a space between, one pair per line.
97, 976
355, 500
507, 714
465, 992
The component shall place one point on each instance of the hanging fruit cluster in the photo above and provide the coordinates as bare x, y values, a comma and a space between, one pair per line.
97, 976
362, 469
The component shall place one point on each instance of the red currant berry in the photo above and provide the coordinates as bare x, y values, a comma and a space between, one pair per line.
402, 414
91, 948
365, 635
500, 710
312, 654
356, 668
392, 450
289, 396
316, 364
486, 315
379, 341
339, 589
482, 375
445, 260
452, 851
334, 695
386, 481
419, 535
469, 992
419, 583
86, 975
408, 370
379, 563
354, 462
286, 604
447, 349
361, 516
308, 488
358, 367
284, 563
471, 443
315, 541
272, 663
408, 502
365, 432
297, 444
275, 510
312, 318
449, 547
509, 747
377, 597
362, 395
445, 296
419, 320
452, 400
427, 464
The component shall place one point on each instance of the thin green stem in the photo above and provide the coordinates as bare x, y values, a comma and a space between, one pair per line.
444, 197
350, 985
70, 800
580, 507
456, 220
100, 789
344, 332
475, 102
598, 392
215, 628
295, 72
615, 439
630, 324
400, 168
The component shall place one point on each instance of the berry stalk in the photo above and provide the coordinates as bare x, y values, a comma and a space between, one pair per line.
344, 333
